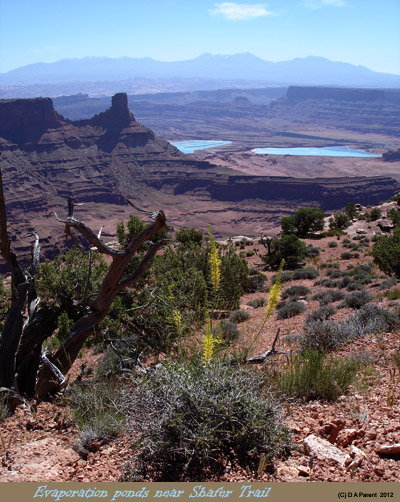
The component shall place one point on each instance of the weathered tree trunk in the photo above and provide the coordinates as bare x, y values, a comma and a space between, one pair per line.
23, 365
112, 284
40, 327
19, 289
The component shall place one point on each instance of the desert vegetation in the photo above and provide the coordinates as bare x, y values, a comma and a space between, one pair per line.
212, 362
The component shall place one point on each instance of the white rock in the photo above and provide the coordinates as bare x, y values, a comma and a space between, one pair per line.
356, 452
321, 448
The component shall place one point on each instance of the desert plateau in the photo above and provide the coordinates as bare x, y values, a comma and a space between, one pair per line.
199, 248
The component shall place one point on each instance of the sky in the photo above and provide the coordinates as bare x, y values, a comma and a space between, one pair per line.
361, 32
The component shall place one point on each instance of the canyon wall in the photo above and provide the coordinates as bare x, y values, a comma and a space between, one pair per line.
100, 161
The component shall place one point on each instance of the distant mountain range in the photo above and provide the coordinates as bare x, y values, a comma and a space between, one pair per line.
302, 71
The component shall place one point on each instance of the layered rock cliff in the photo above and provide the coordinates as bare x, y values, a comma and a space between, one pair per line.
360, 110
100, 161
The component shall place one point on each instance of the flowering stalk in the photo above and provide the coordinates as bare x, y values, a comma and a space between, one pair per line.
274, 294
273, 299
215, 262
177, 319
208, 343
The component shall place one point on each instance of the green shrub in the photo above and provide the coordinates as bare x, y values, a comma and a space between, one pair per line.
357, 299
394, 215
375, 214
190, 419
332, 232
351, 210
327, 283
354, 286
393, 295
96, 410
327, 335
322, 335
386, 253
334, 273
322, 313
305, 273
359, 275
314, 375
395, 198
189, 236
325, 297
257, 302
332, 244
377, 319
388, 283
295, 291
256, 281
288, 247
228, 331
346, 256
239, 316
249, 253
312, 251
285, 277
304, 221
290, 309
339, 221
235, 279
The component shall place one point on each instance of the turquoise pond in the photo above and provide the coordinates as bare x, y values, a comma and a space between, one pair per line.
190, 146
331, 151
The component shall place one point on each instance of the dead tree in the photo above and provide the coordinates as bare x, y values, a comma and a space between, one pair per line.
23, 364
261, 358
20, 286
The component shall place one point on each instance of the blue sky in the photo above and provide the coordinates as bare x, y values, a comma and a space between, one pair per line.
361, 32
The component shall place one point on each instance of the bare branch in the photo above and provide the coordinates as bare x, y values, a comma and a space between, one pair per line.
140, 269
35, 253
89, 276
89, 234
57, 375
261, 359
150, 213
136, 242
269, 353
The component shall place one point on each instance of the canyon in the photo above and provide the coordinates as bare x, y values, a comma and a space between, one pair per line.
101, 160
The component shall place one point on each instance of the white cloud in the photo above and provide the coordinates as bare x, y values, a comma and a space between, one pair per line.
317, 4
239, 12
335, 3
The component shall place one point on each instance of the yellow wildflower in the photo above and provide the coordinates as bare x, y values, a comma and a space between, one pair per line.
215, 262
275, 293
208, 343
177, 318
218, 340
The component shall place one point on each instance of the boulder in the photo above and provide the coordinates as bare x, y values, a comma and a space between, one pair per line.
386, 225
321, 448
392, 450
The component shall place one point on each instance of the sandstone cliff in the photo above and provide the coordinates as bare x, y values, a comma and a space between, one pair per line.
102, 160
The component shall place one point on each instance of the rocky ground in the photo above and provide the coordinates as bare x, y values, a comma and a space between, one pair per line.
355, 438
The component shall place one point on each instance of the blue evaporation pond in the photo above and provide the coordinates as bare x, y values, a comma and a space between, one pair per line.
190, 146
332, 151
